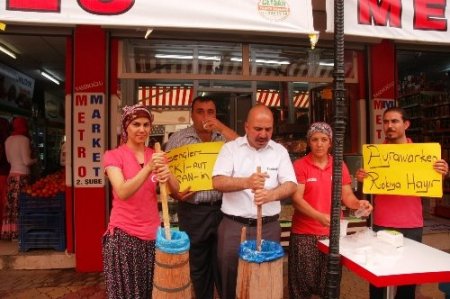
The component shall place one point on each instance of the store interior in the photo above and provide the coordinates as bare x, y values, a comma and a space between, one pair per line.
34, 96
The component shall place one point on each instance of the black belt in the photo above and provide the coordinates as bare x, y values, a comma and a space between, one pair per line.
207, 203
252, 221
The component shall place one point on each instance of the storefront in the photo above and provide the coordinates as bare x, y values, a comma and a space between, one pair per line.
123, 61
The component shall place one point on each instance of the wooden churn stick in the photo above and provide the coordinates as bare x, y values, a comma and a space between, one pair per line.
258, 220
164, 202
243, 234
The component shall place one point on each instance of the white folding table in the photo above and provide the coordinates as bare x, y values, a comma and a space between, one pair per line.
384, 265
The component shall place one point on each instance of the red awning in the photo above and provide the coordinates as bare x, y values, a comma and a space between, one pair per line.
166, 96
271, 98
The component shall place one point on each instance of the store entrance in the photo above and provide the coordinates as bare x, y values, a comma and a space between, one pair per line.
232, 108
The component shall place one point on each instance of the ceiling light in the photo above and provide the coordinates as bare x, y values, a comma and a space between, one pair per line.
269, 61
313, 39
148, 32
7, 51
186, 57
322, 63
50, 77
266, 61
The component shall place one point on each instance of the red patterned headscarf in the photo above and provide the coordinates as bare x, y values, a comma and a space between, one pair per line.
320, 127
19, 126
129, 114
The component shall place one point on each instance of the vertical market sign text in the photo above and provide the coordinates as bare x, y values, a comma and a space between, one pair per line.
89, 114
402, 169
193, 164
376, 115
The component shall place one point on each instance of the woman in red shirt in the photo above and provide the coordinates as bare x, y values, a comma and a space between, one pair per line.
311, 219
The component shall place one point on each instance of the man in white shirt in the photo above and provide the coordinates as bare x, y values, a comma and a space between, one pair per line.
235, 174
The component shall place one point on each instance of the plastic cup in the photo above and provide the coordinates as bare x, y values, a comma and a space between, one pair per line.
359, 212
343, 228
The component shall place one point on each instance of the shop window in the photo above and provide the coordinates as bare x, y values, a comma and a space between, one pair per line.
423, 71
175, 57
224, 85
285, 61
220, 59
424, 92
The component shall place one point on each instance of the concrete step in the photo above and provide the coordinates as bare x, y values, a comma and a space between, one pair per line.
11, 258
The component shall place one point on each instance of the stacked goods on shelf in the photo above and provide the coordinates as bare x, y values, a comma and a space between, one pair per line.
430, 122
48, 186
42, 215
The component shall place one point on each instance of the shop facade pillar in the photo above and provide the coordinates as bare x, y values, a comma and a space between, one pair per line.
88, 142
383, 85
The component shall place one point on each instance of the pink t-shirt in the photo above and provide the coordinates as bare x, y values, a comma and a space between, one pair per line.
318, 184
138, 215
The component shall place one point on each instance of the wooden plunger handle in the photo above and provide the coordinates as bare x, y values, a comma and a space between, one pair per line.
258, 220
164, 202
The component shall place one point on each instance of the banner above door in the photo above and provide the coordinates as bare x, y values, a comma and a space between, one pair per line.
284, 16
419, 20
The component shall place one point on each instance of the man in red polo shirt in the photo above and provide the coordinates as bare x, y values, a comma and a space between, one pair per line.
398, 212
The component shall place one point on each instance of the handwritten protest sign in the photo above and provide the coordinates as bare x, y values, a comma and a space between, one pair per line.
402, 169
192, 164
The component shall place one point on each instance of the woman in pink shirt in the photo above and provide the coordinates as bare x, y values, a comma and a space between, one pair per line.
311, 219
133, 170
18, 154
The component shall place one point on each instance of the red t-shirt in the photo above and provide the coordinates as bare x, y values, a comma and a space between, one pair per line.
401, 211
318, 184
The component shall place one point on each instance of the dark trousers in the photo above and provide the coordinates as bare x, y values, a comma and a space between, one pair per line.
200, 222
228, 250
406, 291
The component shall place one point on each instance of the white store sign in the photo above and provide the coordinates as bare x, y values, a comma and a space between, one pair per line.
415, 20
287, 16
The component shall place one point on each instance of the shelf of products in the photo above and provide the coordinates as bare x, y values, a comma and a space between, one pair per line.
430, 122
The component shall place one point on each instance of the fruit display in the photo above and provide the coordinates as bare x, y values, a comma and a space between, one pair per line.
47, 186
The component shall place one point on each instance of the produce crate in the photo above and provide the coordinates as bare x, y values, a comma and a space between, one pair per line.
42, 223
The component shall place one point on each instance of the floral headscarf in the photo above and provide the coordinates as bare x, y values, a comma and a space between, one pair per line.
320, 127
129, 114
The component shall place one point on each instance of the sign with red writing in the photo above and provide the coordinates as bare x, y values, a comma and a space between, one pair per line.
292, 16
416, 20
89, 137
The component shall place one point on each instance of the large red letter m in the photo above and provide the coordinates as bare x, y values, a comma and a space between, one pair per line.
380, 13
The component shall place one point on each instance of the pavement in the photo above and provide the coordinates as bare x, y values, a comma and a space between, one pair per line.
49, 274
56, 283
69, 284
